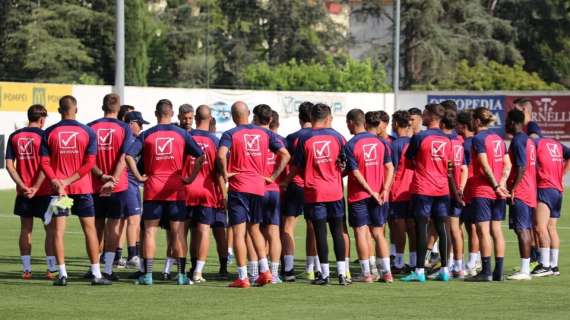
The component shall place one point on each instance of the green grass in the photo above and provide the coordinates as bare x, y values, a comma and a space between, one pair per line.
544, 298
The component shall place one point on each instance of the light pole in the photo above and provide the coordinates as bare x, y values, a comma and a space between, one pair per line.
120, 49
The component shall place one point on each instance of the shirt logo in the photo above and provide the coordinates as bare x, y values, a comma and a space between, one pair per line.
438, 149
251, 142
497, 150
105, 137
67, 140
369, 151
204, 146
553, 150
532, 154
321, 149
25, 146
164, 146
458, 153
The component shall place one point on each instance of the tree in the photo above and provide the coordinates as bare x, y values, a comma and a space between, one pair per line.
543, 29
489, 75
138, 32
437, 34
342, 74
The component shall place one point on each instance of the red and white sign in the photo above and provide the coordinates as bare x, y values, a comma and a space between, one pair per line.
551, 113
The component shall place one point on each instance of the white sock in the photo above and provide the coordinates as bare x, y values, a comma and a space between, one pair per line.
435, 248
263, 265
554, 257
199, 266
413, 259
478, 256
242, 272
62, 271
230, 251
428, 255
96, 270
472, 260
325, 270
444, 270
372, 262
289, 261
51, 263
545, 257
109, 258
309, 265
399, 261
458, 265
253, 268
341, 268
392, 249
26, 263
365, 267
318, 264
525, 266
169, 263
386, 264
275, 268
347, 267
419, 270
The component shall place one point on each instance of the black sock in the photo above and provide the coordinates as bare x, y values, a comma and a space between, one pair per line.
132, 252
139, 248
181, 265
118, 254
320, 227
486, 265
498, 272
421, 241
534, 254
148, 265
442, 234
193, 262
336, 226
223, 264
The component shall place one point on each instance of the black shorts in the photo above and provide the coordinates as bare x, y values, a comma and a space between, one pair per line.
31, 208
111, 207
171, 210
83, 205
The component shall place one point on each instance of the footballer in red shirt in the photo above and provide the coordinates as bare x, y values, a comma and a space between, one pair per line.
68, 155
32, 189
204, 197
432, 185
370, 171
110, 179
164, 149
552, 163
319, 157
248, 146
522, 188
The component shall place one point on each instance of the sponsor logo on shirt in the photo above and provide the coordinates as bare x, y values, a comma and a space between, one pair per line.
532, 154
251, 142
438, 150
497, 150
370, 152
163, 148
554, 151
271, 158
25, 147
458, 154
321, 149
105, 137
204, 146
67, 141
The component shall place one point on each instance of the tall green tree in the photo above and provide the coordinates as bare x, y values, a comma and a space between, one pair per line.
138, 35
543, 29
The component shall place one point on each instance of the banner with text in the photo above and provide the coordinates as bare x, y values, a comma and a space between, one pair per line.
552, 113
19, 96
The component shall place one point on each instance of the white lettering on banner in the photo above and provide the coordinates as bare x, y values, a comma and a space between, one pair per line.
546, 112
291, 105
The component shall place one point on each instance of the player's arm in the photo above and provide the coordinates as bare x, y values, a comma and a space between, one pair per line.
15, 176
519, 166
198, 163
88, 161
388, 181
222, 160
132, 165
283, 155
413, 147
464, 176
45, 165
452, 185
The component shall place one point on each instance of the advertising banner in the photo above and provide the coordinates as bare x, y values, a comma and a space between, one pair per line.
19, 96
552, 113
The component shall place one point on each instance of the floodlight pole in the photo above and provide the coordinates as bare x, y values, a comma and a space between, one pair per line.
120, 49
396, 72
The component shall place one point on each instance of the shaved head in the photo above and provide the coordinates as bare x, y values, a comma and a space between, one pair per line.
240, 112
203, 114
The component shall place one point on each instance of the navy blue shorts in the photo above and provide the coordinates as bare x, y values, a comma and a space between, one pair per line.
484, 209
520, 215
134, 203
213, 217
112, 207
294, 201
430, 206
401, 210
244, 207
551, 198
271, 208
171, 210
83, 205
467, 214
31, 208
324, 210
367, 212
455, 209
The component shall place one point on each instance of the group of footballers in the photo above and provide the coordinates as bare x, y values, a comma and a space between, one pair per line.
249, 187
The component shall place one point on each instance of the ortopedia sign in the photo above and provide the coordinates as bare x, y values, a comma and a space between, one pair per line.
19, 96
552, 113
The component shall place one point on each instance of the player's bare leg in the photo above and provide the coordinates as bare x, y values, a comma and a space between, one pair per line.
313, 264
382, 252
149, 250
457, 245
59, 224
239, 234
288, 241
554, 245
222, 248
202, 244
541, 221
92, 245
179, 249
258, 242
411, 233
398, 233
112, 240
133, 226
25, 243
49, 248
363, 237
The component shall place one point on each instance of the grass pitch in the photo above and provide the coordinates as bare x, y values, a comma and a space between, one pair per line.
38, 299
